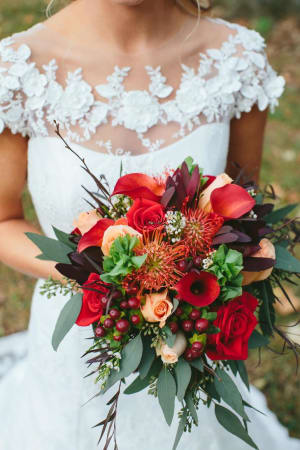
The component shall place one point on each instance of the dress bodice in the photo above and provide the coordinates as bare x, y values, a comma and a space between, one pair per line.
112, 122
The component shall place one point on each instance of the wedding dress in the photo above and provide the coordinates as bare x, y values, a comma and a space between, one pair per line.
146, 125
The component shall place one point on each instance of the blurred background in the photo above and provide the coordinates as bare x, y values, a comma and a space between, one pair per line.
279, 22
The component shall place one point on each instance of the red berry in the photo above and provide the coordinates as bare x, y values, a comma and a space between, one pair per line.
195, 353
132, 290
195, 314
182, 265
118, 338
124, 304
134, 303
201, 325
188, 355
197, 346
115, 295
197, 261
114, 313
122, 325
108, 323
173, 327
100, 332
187, 325
179, 311
135, 319
104, 301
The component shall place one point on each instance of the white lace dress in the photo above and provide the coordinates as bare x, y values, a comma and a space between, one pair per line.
135, 117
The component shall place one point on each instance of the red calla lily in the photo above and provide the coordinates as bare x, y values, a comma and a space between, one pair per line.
139, 185
231, 201
198, 289
94, 236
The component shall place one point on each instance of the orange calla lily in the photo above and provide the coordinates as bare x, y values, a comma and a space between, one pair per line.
139, 185
95, 235
231, 201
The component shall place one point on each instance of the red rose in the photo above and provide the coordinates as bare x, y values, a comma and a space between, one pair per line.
145, 215
91, 309
236, 321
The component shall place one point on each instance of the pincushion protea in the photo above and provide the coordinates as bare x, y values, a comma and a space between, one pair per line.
200, 230
160, 269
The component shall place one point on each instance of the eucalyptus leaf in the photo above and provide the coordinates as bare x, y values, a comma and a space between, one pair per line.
166, 391
285, 261
257, 340
198, 364
170, 337
279, 214
232, 424
64, 238
243, 373
228, 391
52, 250
190, 404
66, 319
147, 357
183, 373
180, 429
137, 385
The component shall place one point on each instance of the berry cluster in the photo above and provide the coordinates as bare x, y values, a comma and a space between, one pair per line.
122, 315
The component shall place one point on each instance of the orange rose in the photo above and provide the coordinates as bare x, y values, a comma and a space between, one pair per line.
157, 308
113, 232
267, 250
170, 355
86, 220
204, 200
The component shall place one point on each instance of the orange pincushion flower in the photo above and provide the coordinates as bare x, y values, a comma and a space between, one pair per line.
160, 268
200, 230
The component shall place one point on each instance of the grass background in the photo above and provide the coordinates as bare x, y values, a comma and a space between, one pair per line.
276, 21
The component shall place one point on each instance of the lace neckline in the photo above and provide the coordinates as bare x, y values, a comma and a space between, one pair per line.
227, 82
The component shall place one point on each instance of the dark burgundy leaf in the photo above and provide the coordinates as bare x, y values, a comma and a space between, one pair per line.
252, 264
225, 238
74, 273
242, 237
167, 196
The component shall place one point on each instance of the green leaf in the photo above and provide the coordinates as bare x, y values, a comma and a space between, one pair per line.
166, 390
211, 390
147, 357
232, 424
64, 238
170, 337
183, 373
138, 261
266, 312
66, 319
190, 404
180, 429
257, 340
228, 391
131, 356
243, 373
279, 214
198, 364
285, 261
52, 250
233, 367
137, 385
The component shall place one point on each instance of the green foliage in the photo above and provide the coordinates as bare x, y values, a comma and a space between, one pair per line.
168, 336
121, 259
183, 373
66, 319
147, 357
267, 315
166, 391
257, 340
228, 392
227, 266
232, 424
52, 250
180, 429
285, 261
280, 214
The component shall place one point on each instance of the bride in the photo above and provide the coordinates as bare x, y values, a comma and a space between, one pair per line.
145, 83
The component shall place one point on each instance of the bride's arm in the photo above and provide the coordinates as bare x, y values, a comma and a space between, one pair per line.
16, 250
246, 143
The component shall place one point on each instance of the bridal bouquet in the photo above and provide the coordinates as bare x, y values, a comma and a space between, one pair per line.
175, 274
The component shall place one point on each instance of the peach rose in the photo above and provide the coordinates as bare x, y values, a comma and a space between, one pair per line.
170, 355
157, 308
86, 220
204, 200
113, 232
267, 250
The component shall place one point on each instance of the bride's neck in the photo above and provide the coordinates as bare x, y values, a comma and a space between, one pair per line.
128, 26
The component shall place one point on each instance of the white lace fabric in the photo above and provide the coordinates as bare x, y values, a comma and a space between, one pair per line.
37, 89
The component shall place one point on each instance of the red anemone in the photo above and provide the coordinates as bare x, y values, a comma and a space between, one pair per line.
198, 289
